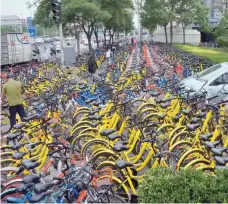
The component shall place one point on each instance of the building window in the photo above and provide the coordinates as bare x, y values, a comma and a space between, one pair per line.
212, 13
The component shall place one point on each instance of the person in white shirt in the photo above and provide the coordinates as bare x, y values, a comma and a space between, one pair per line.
108, 56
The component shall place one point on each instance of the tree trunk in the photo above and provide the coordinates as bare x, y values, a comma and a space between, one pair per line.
166, 36
96, 35
78, 44
171, 33
184, 35
110, 37
118, 36
89, 42
105, 37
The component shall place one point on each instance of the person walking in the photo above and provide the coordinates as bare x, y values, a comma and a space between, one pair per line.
13, 90
108, 56
92, 65
113, 49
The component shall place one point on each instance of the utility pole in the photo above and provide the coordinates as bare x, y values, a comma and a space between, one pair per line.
56, 9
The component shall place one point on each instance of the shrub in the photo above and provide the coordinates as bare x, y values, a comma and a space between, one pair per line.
222, 41
162, 185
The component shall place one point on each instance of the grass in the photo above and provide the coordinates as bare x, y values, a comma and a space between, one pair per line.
215, 54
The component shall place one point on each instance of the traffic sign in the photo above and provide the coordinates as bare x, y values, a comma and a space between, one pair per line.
32, 31
29, 21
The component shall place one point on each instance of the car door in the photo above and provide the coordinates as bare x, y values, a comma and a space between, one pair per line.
216, 86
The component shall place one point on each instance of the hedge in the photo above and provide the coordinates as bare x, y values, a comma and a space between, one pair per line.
163, 185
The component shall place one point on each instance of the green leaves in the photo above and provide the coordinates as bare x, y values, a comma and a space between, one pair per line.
162, 185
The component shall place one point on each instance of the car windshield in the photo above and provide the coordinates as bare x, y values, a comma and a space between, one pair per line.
208, 71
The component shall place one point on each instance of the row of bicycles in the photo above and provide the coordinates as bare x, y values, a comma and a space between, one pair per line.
93, 141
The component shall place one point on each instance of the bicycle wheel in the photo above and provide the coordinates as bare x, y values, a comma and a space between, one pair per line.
93, 145
7, 162
12, 192
103, 156
80, 140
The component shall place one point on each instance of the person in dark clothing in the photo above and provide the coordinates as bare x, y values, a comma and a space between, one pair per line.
92, 65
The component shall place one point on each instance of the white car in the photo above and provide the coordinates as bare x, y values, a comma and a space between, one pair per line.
39, 40
211, 81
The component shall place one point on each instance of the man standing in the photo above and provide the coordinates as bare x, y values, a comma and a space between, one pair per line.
13, 90
92, 65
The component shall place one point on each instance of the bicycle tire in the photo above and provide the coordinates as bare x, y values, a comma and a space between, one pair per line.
78, 142
7, 162
93, 143
106, 155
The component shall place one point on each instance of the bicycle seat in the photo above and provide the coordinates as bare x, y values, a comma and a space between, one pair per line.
120, 147
29, 164
92, 112
219, 151
19, 155
186, 112
167, 99
13, 136
113, 136
161, 116
19, 125
38, 197
96, 124
165, 105
17, 146
177, 117
205, 136
202, 114
31, 179
221, 160
30, 117
97, 103
25, 188
158, 101
212, 144
155, 94
193, 127
121, 164
95, 117
107, 132
90, 100
40, 187
121, 143
195, 120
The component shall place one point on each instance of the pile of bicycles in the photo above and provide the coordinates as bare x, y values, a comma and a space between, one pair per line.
91, 139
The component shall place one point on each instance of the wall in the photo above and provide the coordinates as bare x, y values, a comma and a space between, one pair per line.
192, 36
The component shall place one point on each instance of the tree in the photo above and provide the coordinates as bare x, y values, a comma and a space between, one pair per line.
156, 12
7, 29
192, 11
221, 31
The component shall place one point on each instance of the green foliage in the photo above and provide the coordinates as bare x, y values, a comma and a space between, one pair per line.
7, 29
218, 55
183, 12
162, 185
222, 41
222, 28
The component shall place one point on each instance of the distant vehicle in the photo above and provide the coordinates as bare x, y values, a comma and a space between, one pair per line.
212, 80
70, 41
39, 40
56, 38
82, 41
16, 48
35, 53
87, 43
